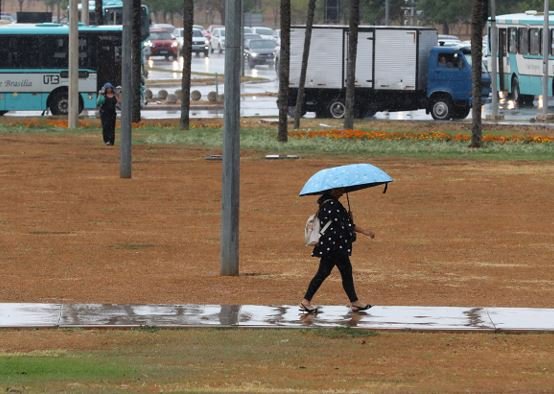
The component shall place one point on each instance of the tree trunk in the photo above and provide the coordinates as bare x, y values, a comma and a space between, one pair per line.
299, 111
188, 20
21, 5
445, 28
477, 24
98, 6
351, 64
284, 64
137, 61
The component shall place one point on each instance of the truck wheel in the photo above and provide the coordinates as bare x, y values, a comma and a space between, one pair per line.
337, 108
441, 108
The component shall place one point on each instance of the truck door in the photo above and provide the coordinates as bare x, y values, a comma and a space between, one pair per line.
451, 74
364, 59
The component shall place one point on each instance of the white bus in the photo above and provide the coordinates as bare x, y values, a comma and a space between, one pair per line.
34, 71
520, 57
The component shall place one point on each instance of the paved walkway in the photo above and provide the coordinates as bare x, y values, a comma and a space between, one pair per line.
377, 318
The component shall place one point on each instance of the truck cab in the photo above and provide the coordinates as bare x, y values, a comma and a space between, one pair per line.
449, 84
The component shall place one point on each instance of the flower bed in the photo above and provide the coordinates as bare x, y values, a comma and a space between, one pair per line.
425, 136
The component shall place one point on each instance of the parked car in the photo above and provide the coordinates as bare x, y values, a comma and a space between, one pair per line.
200, 44
250, 36
162, 43
163, 27
258, 52
178, 33
265, 32
448, 40
217, 40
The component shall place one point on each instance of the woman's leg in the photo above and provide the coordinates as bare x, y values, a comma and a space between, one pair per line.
112, 128
325, 267
345, 268
105, 127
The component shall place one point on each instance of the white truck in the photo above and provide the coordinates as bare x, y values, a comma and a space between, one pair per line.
397, 69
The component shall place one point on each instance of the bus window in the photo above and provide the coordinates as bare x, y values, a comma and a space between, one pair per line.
523, 35
534, 41
551, 41
22, 53
54, 52
512, 40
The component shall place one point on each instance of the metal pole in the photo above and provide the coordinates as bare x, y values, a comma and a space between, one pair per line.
231, 140
127, 94
545, 53
387, 11
73, 65
84, 12
494, 60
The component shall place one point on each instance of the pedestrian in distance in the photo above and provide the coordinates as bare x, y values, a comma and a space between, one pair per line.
107, 102
334, 248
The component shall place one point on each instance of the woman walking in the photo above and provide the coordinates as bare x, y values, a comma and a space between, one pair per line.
335, 248
107, 103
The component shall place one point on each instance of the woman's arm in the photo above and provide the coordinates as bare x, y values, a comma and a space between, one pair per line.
366, 232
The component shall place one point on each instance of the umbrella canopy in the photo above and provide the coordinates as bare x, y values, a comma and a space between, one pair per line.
350, 177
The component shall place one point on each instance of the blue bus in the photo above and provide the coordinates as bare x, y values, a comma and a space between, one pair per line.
520, 57
34, 73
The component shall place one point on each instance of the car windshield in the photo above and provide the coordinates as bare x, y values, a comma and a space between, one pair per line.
222, 33
262, 44
264, 31
160, 35
197, 33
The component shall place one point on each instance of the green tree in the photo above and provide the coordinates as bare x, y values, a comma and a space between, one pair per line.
443, 12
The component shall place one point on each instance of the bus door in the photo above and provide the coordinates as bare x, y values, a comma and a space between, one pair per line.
501, 56
108, 59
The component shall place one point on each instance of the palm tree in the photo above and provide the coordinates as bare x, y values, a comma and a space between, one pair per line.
137, 60
299, 111
351, 63
284, 60
188, 20
478, 17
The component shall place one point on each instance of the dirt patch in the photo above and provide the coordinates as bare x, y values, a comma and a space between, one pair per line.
448, 232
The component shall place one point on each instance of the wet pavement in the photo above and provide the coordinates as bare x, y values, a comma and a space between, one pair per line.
420, 318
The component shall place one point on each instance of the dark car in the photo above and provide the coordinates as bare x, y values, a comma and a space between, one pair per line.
257, 52
162, 43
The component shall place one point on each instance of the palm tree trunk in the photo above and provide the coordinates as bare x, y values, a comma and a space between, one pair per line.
188, 20
284, 63
478, 15
137, 61
351, 64
299, 111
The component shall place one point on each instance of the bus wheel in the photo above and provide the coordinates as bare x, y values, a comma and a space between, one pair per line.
2, 113
521, 99
59, 103
441, 108
337, 108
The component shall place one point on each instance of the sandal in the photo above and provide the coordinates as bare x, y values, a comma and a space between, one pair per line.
355, 308
307, 309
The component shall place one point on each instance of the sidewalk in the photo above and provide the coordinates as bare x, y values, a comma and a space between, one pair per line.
419, 318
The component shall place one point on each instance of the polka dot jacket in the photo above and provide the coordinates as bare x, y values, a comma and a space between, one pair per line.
340, 234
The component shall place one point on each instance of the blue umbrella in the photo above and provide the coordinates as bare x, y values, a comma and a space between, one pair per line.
350, 177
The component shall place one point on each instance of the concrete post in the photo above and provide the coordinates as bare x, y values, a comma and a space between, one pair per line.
125, 170
73, 115
231, 140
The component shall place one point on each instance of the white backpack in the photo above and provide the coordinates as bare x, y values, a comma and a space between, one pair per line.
313, 230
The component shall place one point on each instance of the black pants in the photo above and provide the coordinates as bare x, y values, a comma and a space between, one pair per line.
326, 264
108, 126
